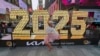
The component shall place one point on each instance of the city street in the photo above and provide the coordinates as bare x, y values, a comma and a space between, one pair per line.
27, 25
70, 50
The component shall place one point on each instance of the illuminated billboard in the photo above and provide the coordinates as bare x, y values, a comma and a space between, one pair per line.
81, 2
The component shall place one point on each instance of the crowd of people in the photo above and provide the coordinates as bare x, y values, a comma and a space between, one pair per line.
5, 28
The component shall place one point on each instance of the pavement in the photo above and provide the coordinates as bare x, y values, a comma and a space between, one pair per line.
68, 50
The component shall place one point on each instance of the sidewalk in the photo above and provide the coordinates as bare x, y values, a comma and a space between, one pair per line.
74, 50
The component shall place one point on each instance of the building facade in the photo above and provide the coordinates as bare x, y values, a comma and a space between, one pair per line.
40, 4
48, 3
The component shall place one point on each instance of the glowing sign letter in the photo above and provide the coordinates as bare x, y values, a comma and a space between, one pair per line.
81, 23
63, 20
19, 33
35, 22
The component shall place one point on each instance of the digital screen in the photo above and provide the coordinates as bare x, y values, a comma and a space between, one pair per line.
27, 19
81, 2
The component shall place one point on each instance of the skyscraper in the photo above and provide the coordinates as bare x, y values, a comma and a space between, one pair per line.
48, 3
53, 6
40, 4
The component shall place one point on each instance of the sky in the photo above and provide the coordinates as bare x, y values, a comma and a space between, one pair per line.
35, 4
